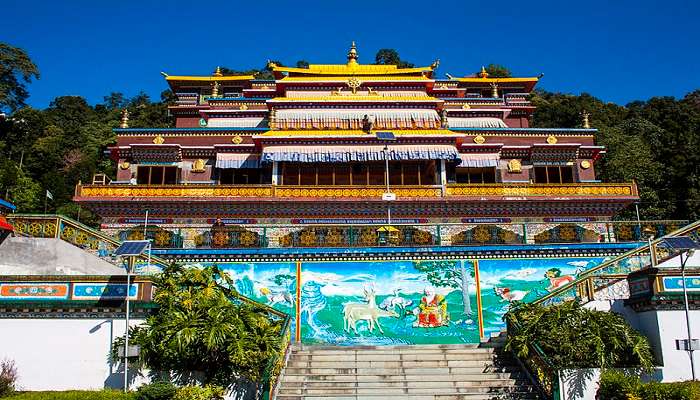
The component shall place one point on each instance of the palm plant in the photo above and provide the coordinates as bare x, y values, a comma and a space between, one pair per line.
199, 335
572, 336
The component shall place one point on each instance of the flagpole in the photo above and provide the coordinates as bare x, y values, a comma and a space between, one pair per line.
46, 200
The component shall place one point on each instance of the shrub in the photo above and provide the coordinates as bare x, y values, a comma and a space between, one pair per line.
8, 377
572, 336
156, 391
616, 385
199, 393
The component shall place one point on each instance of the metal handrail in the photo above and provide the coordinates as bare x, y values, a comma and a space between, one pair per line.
583, 276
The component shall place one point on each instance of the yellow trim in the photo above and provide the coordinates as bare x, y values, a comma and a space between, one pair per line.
350, 97
497, 80
171, 78
340, 132
353, 69
347, 76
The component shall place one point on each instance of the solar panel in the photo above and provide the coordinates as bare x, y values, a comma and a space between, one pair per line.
679, 242
132, 248
385, 135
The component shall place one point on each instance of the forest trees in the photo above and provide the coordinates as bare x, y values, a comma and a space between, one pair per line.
16, 70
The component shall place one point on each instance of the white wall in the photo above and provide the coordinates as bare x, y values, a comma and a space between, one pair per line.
62, 354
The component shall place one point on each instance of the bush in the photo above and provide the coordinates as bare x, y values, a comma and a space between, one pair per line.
616, 385
199, 393
156, 391
74, 395
572, 336
8, 377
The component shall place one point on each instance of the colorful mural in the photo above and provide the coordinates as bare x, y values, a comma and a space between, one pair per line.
34, 291
503, 281
391, 302
103, 291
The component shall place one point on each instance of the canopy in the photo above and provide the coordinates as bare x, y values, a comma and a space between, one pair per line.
352, 118
477, 122
5, 226
478, 160
358, 153
237, 160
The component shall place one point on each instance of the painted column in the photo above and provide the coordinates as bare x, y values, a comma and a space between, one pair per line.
275, 172
443, 176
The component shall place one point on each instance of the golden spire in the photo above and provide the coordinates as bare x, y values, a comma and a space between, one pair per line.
125, 119
586, 123
352, 54
218, 72
215, 89
483, 73
494, 90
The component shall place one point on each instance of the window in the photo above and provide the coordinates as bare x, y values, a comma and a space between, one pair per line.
240, 176
156, 175
554, 174
290, 174
476, 175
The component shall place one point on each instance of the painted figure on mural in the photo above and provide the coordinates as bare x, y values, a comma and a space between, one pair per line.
219, 237
556, 280
432, 311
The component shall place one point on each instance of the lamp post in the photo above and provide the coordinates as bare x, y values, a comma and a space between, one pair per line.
690, 348
387, 137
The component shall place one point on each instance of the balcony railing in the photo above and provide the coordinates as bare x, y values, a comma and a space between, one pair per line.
566, 190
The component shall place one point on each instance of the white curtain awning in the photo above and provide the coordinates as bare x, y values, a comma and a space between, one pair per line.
477, 122
352, 118
237, 160
478, 160
246, 122
358, 153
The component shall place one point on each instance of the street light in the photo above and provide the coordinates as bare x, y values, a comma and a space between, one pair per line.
685, 244
386, 138
130, 249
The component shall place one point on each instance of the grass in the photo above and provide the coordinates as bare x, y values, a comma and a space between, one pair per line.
73, 395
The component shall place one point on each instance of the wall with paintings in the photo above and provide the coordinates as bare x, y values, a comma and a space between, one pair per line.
411, 301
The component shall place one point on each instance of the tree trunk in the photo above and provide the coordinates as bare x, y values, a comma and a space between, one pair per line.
464, 284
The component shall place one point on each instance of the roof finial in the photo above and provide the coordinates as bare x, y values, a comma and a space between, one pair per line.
352, 54
494, 90
125, 119
483, 73
215, 89
586, 123
435, 64
218, 72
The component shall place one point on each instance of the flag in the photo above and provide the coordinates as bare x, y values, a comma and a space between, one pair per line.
49, 195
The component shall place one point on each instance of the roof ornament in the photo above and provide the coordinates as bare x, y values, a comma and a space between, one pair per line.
483, 74
449, 76
354, 83
217, 72
164, 74
494, 90
586, 123
271, 64
125, 119
435, 64
352, 54
215, 89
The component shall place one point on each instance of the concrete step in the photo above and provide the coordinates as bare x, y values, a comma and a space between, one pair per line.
388, 371
379, 396
385, 391
294, 363
390, 357
316, 384
436, 377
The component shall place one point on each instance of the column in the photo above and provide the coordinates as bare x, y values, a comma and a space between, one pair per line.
443, 176
275, 172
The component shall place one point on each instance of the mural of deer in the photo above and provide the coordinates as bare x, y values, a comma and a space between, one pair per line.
353, 312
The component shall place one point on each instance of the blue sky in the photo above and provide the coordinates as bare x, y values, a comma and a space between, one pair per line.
617, 50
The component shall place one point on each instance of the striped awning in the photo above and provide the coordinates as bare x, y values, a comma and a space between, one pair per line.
478, 160
476, 122
237, 160
358, 153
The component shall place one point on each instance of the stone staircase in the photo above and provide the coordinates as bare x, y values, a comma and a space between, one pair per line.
419, 372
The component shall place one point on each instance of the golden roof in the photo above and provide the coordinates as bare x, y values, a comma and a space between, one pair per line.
171, 78
472, 79
345, 78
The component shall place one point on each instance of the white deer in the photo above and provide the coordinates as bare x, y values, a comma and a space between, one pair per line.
353, 312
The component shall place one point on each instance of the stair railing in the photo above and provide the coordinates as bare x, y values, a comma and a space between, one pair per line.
583, 287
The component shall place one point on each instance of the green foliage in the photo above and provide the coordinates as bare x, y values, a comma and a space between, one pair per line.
391, 57
199, 393
617, 385
16, 70
8, 377
198, 335
572, 336
654, 142
161, 390
497, 71
74, 395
